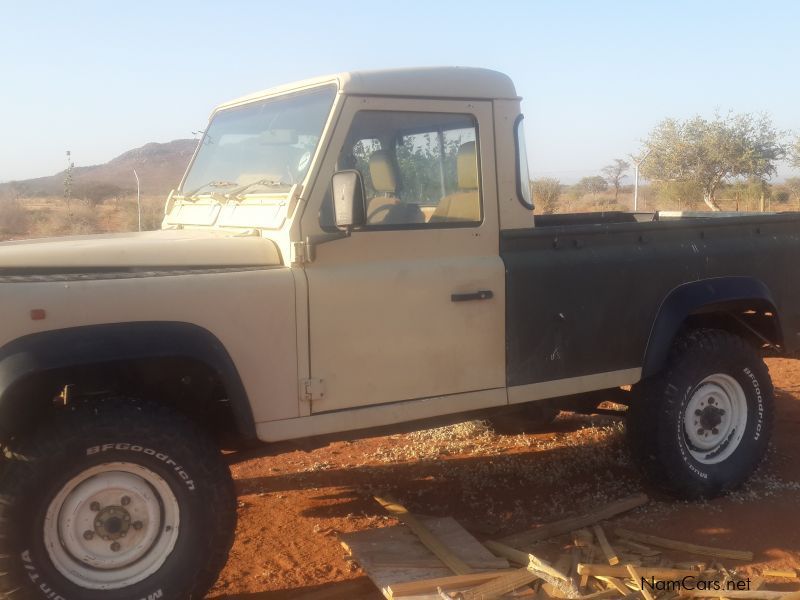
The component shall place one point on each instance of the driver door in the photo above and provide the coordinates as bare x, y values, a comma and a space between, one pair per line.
412, 305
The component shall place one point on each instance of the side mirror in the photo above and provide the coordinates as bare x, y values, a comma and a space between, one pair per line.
349, 207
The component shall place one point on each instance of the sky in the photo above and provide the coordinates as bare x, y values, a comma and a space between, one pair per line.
100, 78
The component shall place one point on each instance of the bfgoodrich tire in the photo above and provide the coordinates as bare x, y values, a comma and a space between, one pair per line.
702, 426
119, 501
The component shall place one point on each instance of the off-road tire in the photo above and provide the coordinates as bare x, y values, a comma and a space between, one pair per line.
656, 429
122, 432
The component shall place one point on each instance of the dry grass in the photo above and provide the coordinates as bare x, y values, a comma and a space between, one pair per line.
46, 217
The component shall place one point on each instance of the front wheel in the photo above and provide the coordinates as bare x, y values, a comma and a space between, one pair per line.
120, 501
702, 426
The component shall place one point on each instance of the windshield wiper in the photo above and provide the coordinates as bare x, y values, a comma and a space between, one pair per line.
265, 182
214, 183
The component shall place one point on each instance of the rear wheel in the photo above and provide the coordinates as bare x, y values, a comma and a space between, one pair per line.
122, 501
702, 426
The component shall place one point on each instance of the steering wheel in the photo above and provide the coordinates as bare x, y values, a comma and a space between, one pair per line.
384, 208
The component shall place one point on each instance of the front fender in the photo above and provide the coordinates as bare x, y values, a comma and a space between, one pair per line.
45, 351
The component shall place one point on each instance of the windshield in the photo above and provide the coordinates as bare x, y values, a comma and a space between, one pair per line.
260, 145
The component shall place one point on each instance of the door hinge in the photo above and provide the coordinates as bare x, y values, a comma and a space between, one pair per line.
300, 252
313, 389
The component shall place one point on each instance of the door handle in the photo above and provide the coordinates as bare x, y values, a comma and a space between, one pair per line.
479, 295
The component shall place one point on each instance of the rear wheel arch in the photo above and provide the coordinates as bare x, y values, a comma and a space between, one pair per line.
741, 305
36, 366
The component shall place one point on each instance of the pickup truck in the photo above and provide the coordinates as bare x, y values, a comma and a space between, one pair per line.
349, 253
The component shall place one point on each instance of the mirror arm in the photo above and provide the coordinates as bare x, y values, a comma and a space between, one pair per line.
312, 241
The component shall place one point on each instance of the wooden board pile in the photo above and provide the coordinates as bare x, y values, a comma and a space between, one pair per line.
579, 557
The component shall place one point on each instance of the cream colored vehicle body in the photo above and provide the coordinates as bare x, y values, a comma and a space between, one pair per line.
351, 333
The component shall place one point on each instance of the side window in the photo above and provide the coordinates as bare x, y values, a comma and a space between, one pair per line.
419, 169
523, 175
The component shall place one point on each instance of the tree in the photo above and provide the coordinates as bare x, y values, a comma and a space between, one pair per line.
593, 185
793, 184
710, 152
796, 153
615, 173
546, 192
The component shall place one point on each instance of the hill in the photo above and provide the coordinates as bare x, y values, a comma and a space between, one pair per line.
160, 167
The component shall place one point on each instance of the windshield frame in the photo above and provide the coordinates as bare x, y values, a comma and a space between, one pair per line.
211, 192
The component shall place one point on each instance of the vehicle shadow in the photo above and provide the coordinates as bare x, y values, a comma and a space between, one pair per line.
354, 589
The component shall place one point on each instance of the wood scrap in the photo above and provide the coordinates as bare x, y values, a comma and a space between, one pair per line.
566, 525
609, 593
781, 573
691, 564
500, 586
616, 583
639, 548
605, 546
637, 577
426, 536
660, 573
452, 582
542, 568
525, 558
683, 546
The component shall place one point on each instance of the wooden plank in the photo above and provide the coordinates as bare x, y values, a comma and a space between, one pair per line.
616, 584
392, 555
524, 558
637, 577
683, 546
609, 593
660, 573
566, 525
782, 573
426, 536
610, 553
502, 585
542, 568
451, 582
638, 548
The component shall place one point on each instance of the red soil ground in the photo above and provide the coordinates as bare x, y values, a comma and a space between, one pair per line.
295, 497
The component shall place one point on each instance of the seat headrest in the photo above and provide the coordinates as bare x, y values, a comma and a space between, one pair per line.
381, 170
467, 167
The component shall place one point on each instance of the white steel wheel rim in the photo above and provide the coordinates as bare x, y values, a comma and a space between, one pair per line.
111, 526
715, 419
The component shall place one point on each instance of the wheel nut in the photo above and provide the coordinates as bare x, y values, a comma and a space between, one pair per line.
715, 431
125, 500
700, 431
88, 534
95, 506
115, 547
137, 525
698, 413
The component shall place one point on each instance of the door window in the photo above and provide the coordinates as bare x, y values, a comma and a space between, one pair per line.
420, 170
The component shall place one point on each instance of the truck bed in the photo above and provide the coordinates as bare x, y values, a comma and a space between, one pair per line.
583, 291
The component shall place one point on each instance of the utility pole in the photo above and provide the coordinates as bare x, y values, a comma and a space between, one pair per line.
636, 163
138, 199
68, 179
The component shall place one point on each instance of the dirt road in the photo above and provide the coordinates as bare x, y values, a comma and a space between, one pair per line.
293, 499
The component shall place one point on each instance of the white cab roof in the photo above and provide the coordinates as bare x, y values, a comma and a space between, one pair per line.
422, 82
